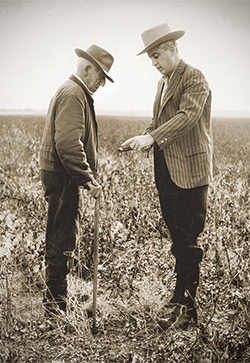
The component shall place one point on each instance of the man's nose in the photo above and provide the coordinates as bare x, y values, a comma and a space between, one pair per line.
103, 81
154, 62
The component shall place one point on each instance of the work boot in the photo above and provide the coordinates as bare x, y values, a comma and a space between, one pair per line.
170, 317
180, 315
187, 316
180, 310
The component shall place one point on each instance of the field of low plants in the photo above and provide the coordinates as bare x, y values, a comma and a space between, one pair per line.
135, 273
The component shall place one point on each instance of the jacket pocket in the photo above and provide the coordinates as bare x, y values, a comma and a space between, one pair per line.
195, 149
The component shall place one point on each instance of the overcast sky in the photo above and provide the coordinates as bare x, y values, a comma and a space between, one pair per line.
38, 39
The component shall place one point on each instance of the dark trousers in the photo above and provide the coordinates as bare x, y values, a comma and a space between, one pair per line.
184, 212
62, 195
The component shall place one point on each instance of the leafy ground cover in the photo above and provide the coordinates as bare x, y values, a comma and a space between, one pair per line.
136, 267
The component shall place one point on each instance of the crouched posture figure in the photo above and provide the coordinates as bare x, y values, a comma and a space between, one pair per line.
68, 161
181, 135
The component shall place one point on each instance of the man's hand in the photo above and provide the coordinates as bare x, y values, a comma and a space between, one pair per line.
94, 188
140, 143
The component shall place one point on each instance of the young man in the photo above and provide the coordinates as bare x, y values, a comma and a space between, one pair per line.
180, 132
68, 160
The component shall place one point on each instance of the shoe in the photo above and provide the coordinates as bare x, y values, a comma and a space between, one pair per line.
181, 316
188, 316
171, 316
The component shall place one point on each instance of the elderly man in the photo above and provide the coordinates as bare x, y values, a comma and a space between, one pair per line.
68, 161
180, 132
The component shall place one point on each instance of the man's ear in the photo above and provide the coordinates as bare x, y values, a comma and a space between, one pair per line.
86, 70
173, 49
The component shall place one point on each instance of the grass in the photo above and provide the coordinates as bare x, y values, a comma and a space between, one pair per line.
136, 266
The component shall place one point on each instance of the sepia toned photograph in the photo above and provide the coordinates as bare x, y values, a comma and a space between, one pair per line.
124, 181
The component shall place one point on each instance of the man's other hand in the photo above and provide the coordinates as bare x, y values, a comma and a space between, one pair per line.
94, 188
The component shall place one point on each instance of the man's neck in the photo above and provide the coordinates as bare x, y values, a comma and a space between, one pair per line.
176, 65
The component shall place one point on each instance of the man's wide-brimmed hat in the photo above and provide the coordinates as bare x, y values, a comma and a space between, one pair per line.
157, 35
99, 57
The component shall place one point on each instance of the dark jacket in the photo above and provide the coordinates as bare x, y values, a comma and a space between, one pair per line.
70, 136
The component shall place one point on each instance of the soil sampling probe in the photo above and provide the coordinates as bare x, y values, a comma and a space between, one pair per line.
94, 328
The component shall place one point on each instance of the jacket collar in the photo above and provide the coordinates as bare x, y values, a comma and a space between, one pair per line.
82, 85
158, 105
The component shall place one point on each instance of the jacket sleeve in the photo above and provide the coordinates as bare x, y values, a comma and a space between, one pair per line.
69, 133
191, 105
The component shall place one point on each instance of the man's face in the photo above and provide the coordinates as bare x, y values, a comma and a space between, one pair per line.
95, 79
163, 60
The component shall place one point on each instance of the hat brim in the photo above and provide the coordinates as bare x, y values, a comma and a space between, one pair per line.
165, 38
82, 54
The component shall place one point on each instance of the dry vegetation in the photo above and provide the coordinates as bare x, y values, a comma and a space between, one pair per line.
136, 267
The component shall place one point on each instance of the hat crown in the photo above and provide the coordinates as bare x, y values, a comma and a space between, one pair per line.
98, 56
102, 57
157, 35
151, 35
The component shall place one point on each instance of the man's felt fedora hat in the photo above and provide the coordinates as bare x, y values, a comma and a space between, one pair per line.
157, 35
99, 57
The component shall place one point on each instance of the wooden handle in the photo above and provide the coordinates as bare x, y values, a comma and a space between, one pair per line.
96, 238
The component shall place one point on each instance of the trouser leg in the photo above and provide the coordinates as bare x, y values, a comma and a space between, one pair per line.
184, 212
62, 196
186, 223
187, 276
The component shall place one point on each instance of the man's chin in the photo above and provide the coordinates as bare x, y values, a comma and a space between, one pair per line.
161, 71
